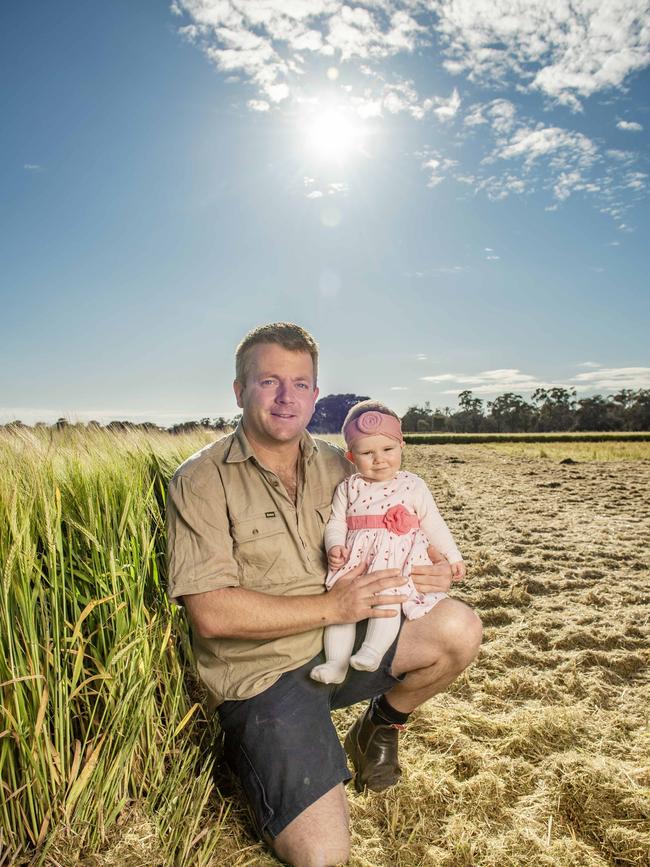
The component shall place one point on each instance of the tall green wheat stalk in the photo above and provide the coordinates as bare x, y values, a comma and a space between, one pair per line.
95, 708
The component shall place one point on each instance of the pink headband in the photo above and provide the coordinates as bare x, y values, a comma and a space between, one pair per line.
370, 423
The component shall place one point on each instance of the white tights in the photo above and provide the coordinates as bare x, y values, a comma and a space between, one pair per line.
339, 641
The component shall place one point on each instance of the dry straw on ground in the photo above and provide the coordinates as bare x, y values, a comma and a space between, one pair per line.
538, 755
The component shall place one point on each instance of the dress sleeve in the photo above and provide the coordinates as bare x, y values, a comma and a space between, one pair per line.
336, 530
433, 524
199, 544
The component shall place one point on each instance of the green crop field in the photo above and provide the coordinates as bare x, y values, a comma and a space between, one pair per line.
538, 755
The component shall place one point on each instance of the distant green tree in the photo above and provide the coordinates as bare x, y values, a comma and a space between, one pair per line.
511, 413
555, 408
469, 418
638, 413
594, 414
418, 418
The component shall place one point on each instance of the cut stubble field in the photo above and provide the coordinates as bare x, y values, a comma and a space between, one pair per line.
540, 753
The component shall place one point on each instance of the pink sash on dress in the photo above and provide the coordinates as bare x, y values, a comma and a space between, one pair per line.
396, 520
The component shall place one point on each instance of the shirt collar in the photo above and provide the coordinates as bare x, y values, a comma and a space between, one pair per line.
240, 449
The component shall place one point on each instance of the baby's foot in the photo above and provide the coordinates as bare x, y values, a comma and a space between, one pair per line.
329, 672
366, 659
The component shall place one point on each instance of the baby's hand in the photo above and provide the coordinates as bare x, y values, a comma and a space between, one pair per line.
337, 556
458, 571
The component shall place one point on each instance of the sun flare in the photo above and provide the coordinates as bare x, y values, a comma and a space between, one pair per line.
333, 136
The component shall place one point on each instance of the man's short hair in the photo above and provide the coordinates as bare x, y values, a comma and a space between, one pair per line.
367, 406
285, 334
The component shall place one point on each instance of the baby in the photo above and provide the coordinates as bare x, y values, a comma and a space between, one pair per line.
385, 517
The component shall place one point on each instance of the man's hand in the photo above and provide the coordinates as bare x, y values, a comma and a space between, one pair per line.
355, 595
337, 556
433, 579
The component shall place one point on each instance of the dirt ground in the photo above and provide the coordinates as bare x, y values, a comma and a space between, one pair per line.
540, 753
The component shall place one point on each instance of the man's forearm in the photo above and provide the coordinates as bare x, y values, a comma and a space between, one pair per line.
235, 612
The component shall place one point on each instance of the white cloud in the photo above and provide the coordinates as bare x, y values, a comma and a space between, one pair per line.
438, 167
614, 378
277, 92
399, 388
357, 32
635, 180
562, 145
621, 156
500, 114
489, 381
450, 269
492, 382
315, 194
475, 116
566, 51
32, 167
446, 109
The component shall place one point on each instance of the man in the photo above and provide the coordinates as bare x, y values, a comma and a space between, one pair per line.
246, 517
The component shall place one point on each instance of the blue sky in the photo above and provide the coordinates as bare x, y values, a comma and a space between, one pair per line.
448, 194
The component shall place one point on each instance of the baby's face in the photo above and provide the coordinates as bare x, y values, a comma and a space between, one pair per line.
377, 457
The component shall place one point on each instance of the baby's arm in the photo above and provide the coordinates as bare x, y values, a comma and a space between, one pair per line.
336, 530
436, 530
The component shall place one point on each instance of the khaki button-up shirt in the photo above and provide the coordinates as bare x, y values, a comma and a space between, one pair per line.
230, 523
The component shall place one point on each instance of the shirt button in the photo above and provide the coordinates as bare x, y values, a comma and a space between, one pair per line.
255, 532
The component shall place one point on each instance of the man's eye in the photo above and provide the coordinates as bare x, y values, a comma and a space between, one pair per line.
268, 381
302, 385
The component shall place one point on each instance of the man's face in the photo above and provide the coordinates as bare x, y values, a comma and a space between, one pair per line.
278, 396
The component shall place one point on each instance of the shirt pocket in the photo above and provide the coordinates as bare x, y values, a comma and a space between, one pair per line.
259, 545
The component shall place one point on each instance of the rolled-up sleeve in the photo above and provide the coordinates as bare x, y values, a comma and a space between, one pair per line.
199, 544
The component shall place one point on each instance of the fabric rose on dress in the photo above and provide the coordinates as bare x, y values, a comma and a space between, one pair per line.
400, 521
369, 422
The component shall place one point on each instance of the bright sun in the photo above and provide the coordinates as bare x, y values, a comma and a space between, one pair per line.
332, 136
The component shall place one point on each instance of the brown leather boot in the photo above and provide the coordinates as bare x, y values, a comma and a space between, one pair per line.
372, 749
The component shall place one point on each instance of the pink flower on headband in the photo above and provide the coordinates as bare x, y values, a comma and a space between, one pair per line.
399, 520
369, 422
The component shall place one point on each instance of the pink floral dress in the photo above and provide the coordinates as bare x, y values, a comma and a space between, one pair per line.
405, 520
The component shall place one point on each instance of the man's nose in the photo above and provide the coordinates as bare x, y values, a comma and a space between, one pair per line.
284, 394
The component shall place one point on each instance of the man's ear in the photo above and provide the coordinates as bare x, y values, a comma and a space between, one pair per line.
238, 388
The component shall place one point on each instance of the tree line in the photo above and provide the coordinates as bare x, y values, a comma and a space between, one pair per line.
548, 410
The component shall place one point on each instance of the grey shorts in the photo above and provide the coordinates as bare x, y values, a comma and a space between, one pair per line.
282, 744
